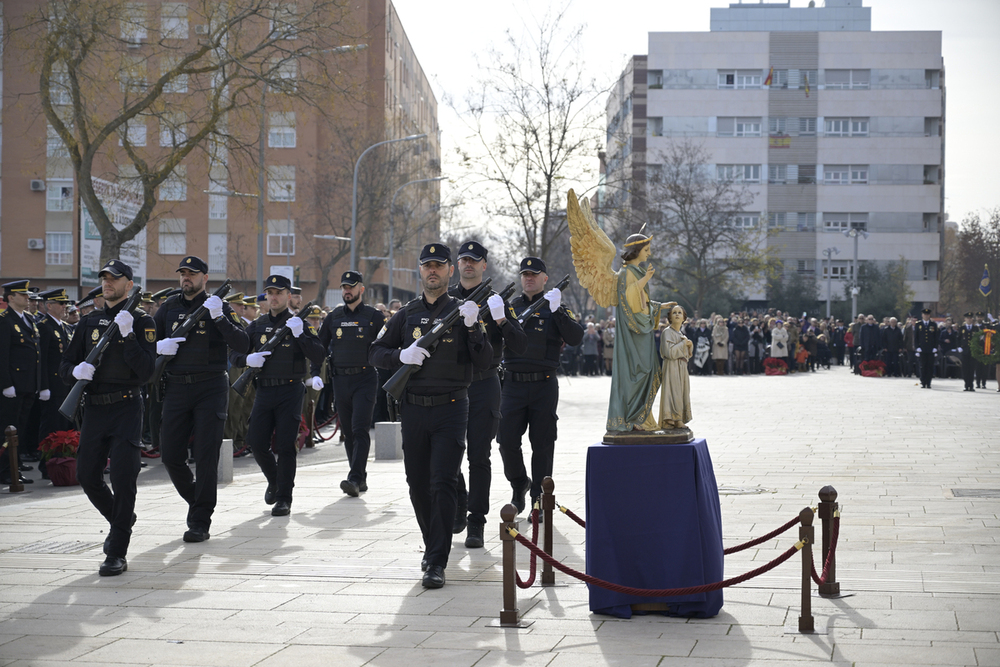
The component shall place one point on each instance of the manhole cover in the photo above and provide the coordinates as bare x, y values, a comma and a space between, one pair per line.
52, 547
742, 490
976, 493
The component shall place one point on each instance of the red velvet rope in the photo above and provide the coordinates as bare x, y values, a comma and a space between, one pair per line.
569, 513
759, 540
531, 567
835, 533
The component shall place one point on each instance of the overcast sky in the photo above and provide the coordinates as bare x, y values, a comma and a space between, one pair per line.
448, 34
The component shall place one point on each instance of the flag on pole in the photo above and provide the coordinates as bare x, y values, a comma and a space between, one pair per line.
985, 287
770, 75
807, 84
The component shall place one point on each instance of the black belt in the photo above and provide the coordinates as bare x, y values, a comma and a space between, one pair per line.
191, 378
531, 377
114, 397
442, 399
484, 374
276, 382
356, 370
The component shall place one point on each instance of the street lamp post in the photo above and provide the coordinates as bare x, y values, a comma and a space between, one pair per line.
854, 234
829, 274
354, 193
392, 227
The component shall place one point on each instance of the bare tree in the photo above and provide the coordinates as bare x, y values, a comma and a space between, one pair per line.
978, 246
535, 128
107, 68
700, 224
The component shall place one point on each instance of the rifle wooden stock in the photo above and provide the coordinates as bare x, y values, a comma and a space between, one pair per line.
397, 383
182, 331
536, 306
71, 405
251, 373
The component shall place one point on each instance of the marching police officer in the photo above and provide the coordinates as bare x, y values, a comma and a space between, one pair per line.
502, 329
925, 341
530, 390
434, 410
277, 406
20, 372
55, 336
196, 391
112, 416
346, 335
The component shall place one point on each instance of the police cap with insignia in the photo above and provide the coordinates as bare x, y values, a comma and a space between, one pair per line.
33, 294
532, 265
192, 263
315, 311
926, 311
473, 250
279, 281
351, 278
147, 297
250, 301
117, 268
88, 300
233, 298
58, 295
969, 315
17, 287
295, 289
164, 293
435, 252
979, 313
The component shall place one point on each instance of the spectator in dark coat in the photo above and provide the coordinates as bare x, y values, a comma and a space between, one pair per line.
892, 343
870, 339
739, 336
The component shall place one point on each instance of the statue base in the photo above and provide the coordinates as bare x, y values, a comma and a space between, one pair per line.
671, 436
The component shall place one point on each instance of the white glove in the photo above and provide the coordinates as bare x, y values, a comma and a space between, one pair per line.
316, 383
294, 324
554, 297
918, 353
959, 350
10, 392
413, 355
470, 312
44, 395
124, 321
256, 359
496, 307
168, 346
84, 371
934, 351
214, 306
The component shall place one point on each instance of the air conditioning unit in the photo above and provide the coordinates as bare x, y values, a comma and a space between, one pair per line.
201, 29
37, 185
36, 244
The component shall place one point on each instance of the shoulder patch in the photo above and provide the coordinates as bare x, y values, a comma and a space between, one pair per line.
150, 335
571, 314
382, 332
236, 318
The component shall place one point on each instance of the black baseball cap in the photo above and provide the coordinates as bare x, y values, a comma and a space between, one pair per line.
279, 281
193, 263
117, 268
472, 249
532, 265
351, 278
435, 252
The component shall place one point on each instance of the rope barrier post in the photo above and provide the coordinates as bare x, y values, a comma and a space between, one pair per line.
508, 531
828, 508
16, 486
807, 535
548, 504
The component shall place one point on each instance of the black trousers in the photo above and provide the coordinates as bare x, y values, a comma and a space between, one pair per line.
926, 362
194, 415
982, 373
529, 406
277, 411
15, 412
892, 363
112, 431
484, 420
354, 396
969, 369
433, 443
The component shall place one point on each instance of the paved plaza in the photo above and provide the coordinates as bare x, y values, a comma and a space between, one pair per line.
338, 581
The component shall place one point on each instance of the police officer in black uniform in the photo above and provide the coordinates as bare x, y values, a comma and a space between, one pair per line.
55, 336
346, 335
434, 410
20, 372
502, 329
530, 389
277, 407
112, 414
982, 370
964, 348
196, 391
925, 342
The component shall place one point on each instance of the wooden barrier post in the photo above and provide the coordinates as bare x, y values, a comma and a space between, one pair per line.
806, 534
548, 504
16, 486
508, 614
828, 508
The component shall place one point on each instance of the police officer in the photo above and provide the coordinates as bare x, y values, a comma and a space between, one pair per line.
531, 390
925, 341
502, 329
982, 370
964, 349
20, 373
346, 335
55, 337
434, 410
196, 391
277, 406
112, 415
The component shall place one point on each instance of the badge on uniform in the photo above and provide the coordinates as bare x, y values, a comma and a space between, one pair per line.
150, 335
95, 335
416, 333
263, 339
17, 328
339, 332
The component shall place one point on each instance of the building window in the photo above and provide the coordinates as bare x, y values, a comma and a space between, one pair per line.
807, 126
776, 220
841, 270
133, 23
136, 134
59, 248
281, 184
747, 173
175, 187
805, 222
930, 270
738, 127
173, 128
807, 174
846, 127
284, 20
847, 78
777, 173
740, 78
174, 20
805, 266
132, 76
59, 89
284, 74
859, 174
746, 220
178, 84
839, 222
280, 237
836, 174
54, 146
173, 236
217, 253
281, 131
218, 205
59, 196
777, 125
779, 79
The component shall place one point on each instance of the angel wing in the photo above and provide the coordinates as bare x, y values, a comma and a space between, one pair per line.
593, 253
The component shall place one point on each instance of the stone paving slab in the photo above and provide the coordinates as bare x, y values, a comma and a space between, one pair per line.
337, 582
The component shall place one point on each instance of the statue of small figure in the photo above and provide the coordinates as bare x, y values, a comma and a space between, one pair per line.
676, 349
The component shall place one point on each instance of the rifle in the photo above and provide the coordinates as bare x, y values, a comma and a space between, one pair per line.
505, 294
397, 383
71, 405
251, 373
535, 307
181, 332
